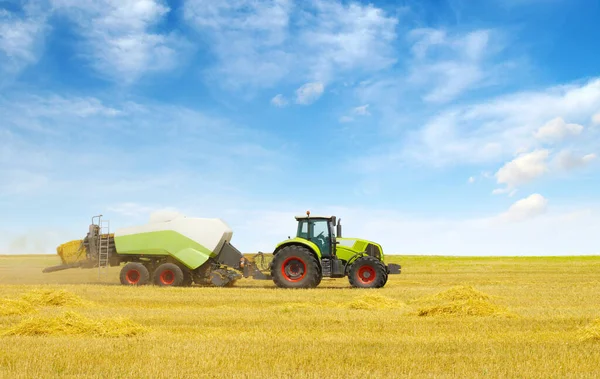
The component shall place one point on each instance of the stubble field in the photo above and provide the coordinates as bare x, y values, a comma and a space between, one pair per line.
442, 317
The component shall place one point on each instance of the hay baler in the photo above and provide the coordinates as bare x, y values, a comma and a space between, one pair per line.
180, 251
168, 252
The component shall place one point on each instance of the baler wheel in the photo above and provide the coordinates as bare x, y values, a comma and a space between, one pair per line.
134, 274
367, 272
187, 278
168, 275
295, 266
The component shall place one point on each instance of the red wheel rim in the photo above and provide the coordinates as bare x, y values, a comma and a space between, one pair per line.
293, 269
132, 276
366, 274
167, 277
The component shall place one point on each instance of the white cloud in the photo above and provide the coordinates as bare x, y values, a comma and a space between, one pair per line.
362, 110
119, 38
279, 101
258, 43
529, 207
21, 38
309, 93
483, 133
596, 118
471, 180
450, 64
557, 129
523, 169
568, 161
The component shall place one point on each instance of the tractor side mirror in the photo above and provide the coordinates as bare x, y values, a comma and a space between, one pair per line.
338, 232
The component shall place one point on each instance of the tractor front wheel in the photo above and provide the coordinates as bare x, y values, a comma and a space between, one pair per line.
134, 274
367, 272
168, 275
295, 266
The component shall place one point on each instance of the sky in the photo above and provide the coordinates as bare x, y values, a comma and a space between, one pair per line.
446, 127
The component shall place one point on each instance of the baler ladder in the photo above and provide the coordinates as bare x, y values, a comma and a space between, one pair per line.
103, 247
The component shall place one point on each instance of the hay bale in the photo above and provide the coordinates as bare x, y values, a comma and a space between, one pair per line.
10, 307
56, 298
591, 332
72, 323
460, 301
374, 301
463, 308
457, 293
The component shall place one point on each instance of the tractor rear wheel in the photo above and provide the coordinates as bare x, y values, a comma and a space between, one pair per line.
134, 274
168, 275
295, 266
367, 272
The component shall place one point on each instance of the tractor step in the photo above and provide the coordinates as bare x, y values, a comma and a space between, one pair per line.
332, 268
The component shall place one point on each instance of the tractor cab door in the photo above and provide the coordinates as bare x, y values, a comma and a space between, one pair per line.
318, 232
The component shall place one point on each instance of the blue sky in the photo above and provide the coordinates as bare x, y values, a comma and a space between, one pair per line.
433, 127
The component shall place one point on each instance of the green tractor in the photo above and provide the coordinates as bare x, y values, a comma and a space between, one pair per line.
318, 251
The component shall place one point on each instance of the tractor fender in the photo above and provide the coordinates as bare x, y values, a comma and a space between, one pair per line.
302, 242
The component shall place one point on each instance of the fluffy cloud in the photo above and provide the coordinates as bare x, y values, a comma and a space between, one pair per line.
529, 207
523, 169
118, 36
309, 93
279, 101
557, 129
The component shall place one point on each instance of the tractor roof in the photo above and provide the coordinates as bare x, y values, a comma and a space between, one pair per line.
304, 217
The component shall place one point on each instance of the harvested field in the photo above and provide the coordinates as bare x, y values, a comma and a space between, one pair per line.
254, 330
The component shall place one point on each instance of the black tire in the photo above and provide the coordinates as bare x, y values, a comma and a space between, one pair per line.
134, 274
187, 278
367, 272
168, 275
295, 266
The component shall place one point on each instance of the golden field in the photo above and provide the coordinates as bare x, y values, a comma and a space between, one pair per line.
442, 317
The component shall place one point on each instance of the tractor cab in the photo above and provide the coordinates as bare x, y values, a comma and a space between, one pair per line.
321, 231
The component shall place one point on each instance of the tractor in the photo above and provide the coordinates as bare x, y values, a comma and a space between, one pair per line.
319, 251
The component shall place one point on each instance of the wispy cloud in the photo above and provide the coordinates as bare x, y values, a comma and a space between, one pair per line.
259, 43
120, 41
21, 38
490, 131
451, 63
279, 101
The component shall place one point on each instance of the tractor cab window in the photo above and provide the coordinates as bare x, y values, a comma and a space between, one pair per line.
320, 236
303, 229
